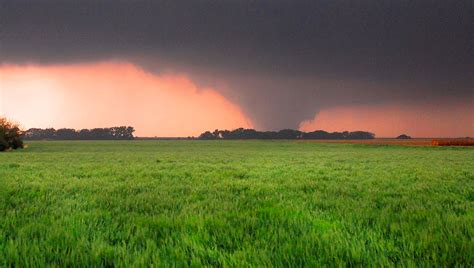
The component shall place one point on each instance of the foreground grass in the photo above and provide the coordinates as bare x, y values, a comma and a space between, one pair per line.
235, 203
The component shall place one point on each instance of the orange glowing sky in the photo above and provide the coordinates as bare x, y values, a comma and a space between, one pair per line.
113, 93
389, 120
109, 94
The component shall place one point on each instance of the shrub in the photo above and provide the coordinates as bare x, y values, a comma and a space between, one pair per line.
11, 136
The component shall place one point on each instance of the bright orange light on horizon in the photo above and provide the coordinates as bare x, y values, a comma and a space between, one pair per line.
391, 120
113, 93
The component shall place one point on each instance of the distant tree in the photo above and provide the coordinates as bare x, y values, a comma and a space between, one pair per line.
11, 136
122, 133
66, 134
317, 135
288, 134
33, 134
207, 136
360, 135
85, 134
403, 137
40, 134
217, 134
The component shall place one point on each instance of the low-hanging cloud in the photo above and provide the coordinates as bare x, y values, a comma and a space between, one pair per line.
281, 61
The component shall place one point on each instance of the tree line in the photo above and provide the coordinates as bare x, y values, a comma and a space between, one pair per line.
113, 133
287, 134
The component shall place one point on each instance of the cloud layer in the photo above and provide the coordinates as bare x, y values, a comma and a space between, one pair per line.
281, 61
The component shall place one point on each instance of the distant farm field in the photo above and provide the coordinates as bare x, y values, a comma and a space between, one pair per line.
236, 203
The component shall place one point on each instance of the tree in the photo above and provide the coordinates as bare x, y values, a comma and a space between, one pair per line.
360, 135
66, 134
207, 136
403, 137
11, 136
289, 134
317, 135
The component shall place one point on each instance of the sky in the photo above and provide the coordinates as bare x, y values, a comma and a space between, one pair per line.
178, 68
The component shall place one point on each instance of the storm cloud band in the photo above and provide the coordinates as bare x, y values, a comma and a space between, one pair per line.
281, 61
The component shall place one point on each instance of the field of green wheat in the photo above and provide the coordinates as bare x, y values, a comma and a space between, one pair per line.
235, 203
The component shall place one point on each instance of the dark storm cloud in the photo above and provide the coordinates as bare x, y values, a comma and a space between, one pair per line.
281, 61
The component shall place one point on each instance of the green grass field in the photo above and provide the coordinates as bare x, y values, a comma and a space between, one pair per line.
235, 203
